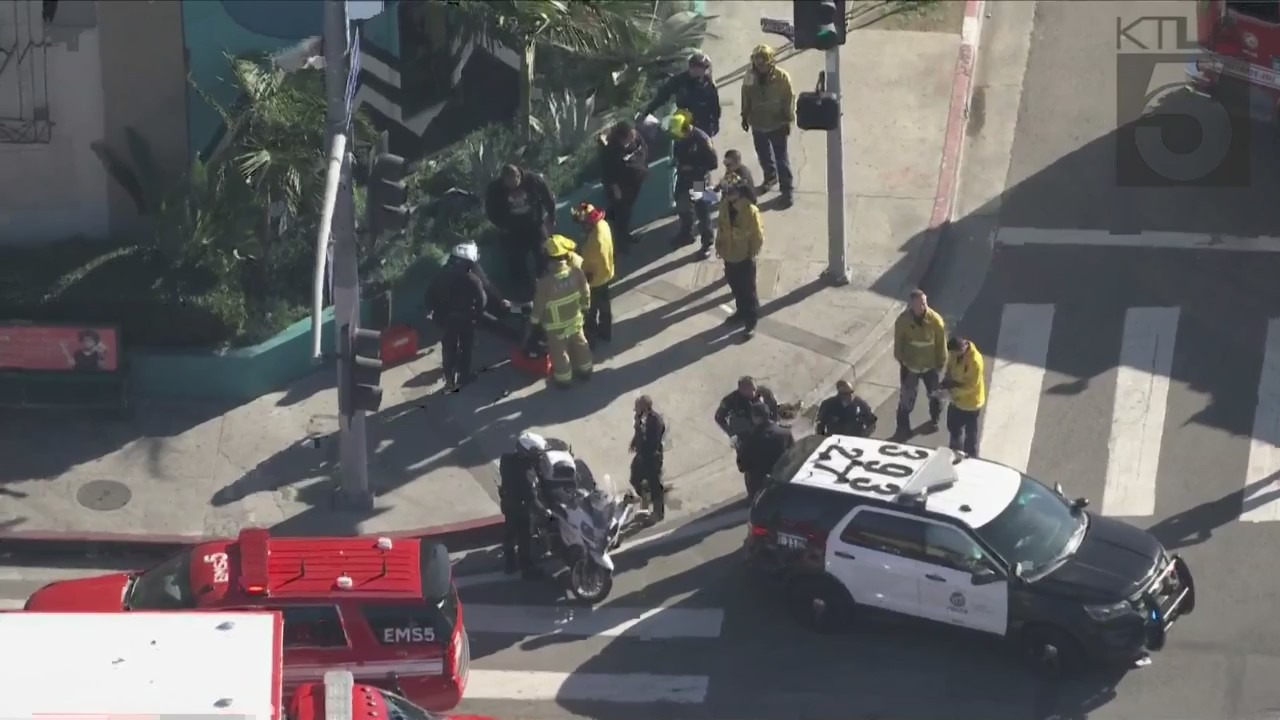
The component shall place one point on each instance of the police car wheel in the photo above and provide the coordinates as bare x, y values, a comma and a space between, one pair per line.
820, 605
1052, 652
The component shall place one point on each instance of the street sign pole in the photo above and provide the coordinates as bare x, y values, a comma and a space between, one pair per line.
352, 440
837, 266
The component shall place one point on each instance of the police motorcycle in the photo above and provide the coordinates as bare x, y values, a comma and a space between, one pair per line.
584, 520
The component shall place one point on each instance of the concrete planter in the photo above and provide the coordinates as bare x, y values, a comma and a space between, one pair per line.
243, 374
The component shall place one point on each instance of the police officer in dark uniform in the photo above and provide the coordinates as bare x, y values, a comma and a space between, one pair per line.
458, 297
519, 496
734, 414
845, 414
761, 448
646, 466
694, 90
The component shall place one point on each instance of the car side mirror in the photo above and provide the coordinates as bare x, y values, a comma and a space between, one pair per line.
984, 577
1080, 503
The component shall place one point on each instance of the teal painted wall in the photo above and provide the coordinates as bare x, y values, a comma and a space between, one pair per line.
246, 373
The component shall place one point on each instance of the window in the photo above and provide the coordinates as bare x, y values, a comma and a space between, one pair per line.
887, 533
1264, 10
949, 547
412, 623
783, 506
1036, 530
166, 586
316, 626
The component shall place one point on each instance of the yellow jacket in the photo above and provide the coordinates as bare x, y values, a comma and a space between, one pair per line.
966, 371
597, 255
771, 104
920, 345
739, 238
560, 298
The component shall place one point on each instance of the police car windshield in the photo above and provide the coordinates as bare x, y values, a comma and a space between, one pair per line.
399, 708
166, 586
1036, 530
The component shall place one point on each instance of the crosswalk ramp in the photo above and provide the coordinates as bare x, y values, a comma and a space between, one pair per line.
547, 655
1147, 410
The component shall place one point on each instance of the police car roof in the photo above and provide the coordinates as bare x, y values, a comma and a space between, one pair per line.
968, 489
194, 664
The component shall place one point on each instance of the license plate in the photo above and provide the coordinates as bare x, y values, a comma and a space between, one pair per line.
791, 541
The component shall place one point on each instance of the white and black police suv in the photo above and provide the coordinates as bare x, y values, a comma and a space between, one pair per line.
853, 524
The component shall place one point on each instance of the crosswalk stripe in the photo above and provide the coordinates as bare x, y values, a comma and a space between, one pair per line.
661, 623
1262, 481
12, 603
585, 687
44, 575
1017, 378
1137, 419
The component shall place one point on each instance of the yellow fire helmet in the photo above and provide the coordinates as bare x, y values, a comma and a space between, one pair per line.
764, 52
678, 124
559, 246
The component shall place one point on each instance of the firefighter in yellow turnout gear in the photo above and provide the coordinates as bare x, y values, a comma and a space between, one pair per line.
561, 299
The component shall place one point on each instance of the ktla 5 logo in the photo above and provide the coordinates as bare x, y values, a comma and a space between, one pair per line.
1168, 135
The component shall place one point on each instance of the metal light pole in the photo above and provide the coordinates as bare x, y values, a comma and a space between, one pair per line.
837, 267
352, 440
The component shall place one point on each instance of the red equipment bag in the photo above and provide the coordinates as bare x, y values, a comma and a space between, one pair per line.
531, 357
399, 344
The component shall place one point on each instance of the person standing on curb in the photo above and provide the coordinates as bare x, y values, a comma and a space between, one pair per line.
738, 242
521, 205
845, 414
761, 448
624, 165
768, 112
967, 383
695, 159
597, 264
694, 90
920, 347
457, 298
646, 465
561, 298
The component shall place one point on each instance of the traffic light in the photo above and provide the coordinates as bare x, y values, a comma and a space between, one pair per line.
362, 355
387, 195
819, 24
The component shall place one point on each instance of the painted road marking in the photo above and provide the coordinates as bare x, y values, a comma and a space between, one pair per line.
51, 574
1017, 378
586, 687
1165, 240
12, 603
1137, 420
660, 623
1262, 480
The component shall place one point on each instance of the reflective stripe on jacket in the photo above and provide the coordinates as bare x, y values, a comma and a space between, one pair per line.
560, 298
966, 371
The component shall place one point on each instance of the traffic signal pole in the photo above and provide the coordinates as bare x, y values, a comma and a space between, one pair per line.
837, 264
352, 439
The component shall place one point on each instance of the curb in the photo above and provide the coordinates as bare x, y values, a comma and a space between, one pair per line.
872, 348
464, 535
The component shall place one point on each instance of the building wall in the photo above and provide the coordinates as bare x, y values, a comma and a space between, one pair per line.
84, 77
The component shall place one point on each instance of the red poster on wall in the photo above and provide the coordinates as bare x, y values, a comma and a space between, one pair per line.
72, 348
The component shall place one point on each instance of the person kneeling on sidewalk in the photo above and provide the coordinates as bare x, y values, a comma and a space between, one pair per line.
561, 298
597, 264
738, 241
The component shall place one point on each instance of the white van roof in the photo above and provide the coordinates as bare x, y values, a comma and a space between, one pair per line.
140, 663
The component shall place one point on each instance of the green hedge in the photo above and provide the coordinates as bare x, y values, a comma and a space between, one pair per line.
162, 306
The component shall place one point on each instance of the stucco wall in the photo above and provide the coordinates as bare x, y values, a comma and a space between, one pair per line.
58, 189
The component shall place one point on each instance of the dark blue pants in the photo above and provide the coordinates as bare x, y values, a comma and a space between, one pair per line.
775, 162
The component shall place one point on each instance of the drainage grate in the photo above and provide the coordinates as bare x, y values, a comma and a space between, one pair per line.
104, 495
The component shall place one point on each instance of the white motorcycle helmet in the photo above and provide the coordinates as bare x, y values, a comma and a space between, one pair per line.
531, 443
467, 251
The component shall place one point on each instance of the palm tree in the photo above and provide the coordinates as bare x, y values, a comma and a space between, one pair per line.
275, 139
523, 26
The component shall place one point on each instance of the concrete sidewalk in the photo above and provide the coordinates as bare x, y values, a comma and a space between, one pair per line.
174, 474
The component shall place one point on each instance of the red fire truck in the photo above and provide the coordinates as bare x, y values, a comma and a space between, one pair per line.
1240, 59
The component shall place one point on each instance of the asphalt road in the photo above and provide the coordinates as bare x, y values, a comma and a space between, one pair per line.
1139, 351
